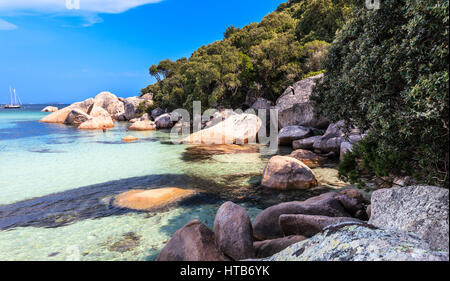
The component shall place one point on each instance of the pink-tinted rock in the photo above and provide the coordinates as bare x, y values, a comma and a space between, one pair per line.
268, 248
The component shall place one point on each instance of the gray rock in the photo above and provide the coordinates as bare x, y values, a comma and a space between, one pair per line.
157, 112
233, 232
360, 242
76, 117
295, 108
110, 103
164, 121
307, 143
422, 210
308, 225
266, 224
268, 248
291, 133
193, 242
131, 107
345, 148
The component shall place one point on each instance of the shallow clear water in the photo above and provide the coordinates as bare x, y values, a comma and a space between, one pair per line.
57, 184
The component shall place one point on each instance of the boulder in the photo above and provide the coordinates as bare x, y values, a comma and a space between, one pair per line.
110, 103
50, 109
235, 129
151, 199
291, 133
268, 248
422, 210
157, 112
164, 121
261, 103
193, 242
353, 193
131, 107
143, 126
284, 172
233, 232
129, 139
266, 224
307, 143
295, 108
97, 123
76, 117
97, 111
61, 115
309, 225
147, 96
334, 139
308, 158
360, 242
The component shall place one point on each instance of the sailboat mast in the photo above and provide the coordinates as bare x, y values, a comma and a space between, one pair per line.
15, 97
10, 94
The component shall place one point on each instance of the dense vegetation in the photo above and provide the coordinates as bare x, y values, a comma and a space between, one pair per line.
258, 60
387, 72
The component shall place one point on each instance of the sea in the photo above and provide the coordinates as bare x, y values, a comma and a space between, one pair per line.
58, 183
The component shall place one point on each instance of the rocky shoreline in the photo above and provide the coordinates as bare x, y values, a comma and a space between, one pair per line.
406, 223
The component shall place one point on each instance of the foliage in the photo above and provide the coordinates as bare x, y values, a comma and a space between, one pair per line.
261, 58
387, 72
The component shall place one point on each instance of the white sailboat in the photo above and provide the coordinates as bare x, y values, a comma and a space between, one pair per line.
16, 103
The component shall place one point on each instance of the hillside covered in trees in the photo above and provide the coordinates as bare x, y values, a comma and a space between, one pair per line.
386, 72
259, 60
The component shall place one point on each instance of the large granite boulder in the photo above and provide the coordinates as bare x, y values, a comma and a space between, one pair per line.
295, 108
194, 242
268, 248
266, 224
309, 225
61, 115
97, 123
145, 125
97, 111
234, 129
360, 242
233, 232
284, 172
308, 158
164, 121
422, 210
76, 117
334, 138
110, 103
49, 109
291, 133
151, 199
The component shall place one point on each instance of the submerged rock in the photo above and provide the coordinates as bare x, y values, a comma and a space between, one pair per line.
129, 139
233, 232
151, 199
422, 210
360, 242
268, 248
128, 242
307, 157
193, 242
287, 173
309, 225
266, 224
291, 133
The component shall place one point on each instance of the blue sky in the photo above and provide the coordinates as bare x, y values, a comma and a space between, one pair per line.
52, 54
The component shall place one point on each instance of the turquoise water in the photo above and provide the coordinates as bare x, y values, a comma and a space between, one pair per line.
57, 184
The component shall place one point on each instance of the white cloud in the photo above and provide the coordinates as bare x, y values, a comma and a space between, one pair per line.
4, 25
95, 6
87, 9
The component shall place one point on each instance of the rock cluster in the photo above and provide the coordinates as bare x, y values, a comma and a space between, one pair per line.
99, 112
